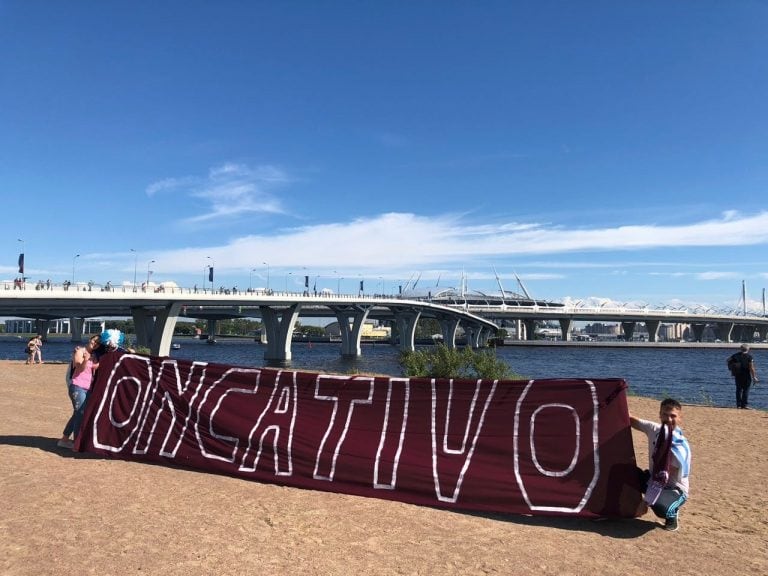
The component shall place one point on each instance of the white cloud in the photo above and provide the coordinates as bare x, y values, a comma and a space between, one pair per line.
230, 190
727, 231
169, 184
713, 275
406, 241
670, 274
540, 276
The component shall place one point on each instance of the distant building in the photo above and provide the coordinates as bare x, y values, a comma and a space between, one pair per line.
371, 330
598, 329
673, 332
60, 326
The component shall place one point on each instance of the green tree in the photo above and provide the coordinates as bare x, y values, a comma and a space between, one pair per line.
443, 362
184, 329
311, 330
425, 327
238, 326
125, 326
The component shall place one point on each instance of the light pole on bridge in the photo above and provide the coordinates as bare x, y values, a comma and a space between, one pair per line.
21, 257
149, 272
210, 273
338, 282
76, 256
267, 265
135, 266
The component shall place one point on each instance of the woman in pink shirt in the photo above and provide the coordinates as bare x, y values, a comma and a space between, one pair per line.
83, 366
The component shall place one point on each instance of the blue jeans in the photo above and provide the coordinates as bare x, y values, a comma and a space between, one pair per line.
78, 397
742, 392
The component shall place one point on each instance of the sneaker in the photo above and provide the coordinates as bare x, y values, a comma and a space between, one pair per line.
65, 444
671, 524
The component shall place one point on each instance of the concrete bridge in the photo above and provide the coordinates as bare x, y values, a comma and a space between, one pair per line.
155, 314
729, 327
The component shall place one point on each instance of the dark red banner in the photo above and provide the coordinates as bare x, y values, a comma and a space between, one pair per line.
532, 447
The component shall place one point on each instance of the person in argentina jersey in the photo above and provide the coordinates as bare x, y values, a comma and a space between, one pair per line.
669, 462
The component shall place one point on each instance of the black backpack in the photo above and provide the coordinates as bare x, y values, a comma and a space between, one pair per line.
735, 364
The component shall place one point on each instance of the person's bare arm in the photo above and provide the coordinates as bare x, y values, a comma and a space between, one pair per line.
80, 359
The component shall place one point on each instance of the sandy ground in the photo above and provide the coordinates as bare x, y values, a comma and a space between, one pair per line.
65, 513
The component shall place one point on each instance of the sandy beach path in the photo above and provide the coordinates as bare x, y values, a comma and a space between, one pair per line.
65, 513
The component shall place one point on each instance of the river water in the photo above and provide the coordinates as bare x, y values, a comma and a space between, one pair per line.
692, 375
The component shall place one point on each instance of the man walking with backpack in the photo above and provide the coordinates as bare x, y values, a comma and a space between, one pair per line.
742, 366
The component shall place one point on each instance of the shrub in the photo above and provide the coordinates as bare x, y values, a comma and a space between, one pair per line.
444, 362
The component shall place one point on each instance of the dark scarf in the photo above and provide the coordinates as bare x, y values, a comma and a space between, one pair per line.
661, 453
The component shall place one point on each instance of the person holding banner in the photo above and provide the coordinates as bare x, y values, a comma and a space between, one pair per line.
669, 459
85, 362
83, 366
111, 340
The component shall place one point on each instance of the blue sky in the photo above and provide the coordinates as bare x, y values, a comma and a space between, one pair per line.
600, 150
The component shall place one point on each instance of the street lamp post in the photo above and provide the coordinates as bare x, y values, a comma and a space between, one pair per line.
210, 273
73, 268
286, 280
149, 272
267, 265
135, 266
21, 259
250, 281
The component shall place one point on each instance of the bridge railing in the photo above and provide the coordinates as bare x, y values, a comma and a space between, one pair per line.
10, 285
616, 312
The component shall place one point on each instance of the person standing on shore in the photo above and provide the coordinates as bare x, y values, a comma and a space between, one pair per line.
742, 367
84, 366
31, 347
38, 356
669, 462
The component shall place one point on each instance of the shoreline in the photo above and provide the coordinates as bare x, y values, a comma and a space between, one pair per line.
4, 337
608, 344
